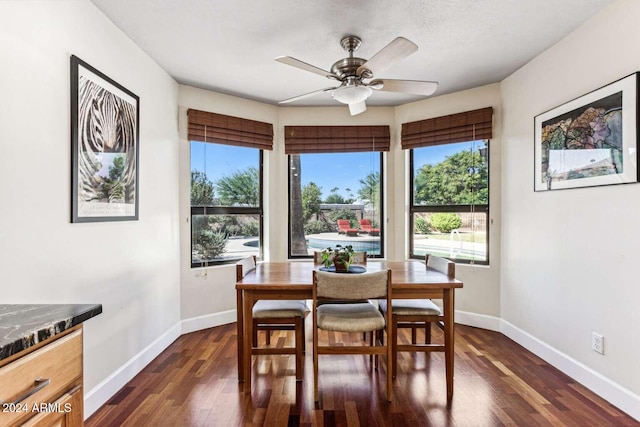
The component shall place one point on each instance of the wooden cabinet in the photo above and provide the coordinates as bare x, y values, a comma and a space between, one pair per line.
63, 418
43, 386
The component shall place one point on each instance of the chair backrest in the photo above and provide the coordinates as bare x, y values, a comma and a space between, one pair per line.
365, 223
343, 223
244, 266
360, 256
440, 264
351, 286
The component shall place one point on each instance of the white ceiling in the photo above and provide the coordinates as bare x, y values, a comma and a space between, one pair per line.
229, 46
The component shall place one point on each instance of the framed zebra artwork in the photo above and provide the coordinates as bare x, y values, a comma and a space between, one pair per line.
105, 119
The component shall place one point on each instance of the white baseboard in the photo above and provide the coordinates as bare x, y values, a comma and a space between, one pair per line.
100, 394
483, 321
610, 391
209, 321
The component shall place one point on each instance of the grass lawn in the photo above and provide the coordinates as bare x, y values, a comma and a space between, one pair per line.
478, 237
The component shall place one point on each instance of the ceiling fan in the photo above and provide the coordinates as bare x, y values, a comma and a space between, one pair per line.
352, 72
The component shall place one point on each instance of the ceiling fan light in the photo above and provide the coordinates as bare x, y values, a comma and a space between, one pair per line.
376, 84
351, 94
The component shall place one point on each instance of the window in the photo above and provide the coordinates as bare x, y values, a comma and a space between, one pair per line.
326, 188
449, 213
226, 203
226, 186
335, 188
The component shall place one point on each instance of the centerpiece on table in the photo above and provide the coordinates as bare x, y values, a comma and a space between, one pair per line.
341, 257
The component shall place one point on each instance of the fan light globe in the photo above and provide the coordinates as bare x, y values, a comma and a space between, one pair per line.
351, 94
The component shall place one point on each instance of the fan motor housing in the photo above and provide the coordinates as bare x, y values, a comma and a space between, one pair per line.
347, 67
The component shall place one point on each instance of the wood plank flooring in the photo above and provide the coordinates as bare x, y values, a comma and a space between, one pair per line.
497, 383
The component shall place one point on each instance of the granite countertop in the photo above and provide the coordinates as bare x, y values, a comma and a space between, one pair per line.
25, 325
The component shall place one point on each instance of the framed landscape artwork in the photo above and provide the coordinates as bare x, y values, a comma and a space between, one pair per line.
589, 141
105, 121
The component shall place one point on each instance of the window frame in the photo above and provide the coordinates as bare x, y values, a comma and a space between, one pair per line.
230, 211
382, 206
414, 209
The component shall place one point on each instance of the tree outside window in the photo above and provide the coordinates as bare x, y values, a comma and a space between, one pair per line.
226, 203
327, 187
450, 201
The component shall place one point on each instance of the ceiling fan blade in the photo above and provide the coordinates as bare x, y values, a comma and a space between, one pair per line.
307, 67
306, 95
415, 87
357, 108
398, 49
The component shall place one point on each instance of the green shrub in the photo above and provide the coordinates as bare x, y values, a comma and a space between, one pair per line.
445, 222
344, 214
201, 222
422, 225
250, 228
211, 244
231, 229
316, 227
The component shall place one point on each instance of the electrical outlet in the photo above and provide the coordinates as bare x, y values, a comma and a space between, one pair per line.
597, 343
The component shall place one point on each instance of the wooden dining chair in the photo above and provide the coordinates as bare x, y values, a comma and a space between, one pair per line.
360, 259
346, 317
280, 315
416, 313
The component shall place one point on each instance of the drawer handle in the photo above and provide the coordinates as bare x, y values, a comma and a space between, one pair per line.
39, 384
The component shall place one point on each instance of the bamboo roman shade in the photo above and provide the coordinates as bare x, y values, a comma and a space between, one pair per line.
212, 127
335, 139
467, 126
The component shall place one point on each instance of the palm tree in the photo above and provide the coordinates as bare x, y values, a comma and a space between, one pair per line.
298, 241
370, 188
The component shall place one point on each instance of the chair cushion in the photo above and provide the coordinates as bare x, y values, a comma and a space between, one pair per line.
412, 307
279, 309
362, 317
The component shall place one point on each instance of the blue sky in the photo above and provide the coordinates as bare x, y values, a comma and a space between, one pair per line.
218, 160
343, 170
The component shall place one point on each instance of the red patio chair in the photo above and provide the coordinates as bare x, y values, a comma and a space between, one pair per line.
344, 227
365, 226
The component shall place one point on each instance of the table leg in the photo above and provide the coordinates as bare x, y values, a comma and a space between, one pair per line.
448, 303
248, 333
240, 332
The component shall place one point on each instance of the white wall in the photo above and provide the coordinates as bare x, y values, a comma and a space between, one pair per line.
131, 268
481, 292
569, 263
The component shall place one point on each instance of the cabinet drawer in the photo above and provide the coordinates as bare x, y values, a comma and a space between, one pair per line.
60, 362
62, 414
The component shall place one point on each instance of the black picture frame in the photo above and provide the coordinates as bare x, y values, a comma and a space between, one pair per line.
589, 141
105, 133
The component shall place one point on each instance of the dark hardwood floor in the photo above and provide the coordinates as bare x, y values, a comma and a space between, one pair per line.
497, 382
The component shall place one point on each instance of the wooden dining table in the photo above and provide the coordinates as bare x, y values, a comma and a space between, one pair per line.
293, 281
